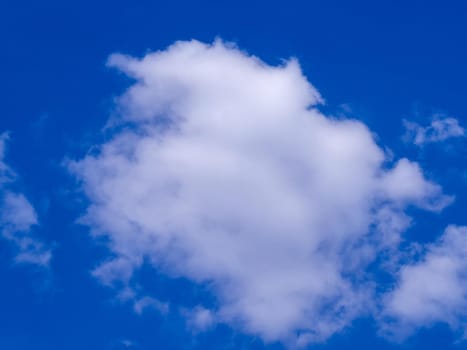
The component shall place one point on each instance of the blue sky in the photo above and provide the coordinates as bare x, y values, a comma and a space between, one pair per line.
166, 248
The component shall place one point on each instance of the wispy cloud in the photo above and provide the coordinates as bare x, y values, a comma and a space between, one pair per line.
439, 129
149, 303
200, 319
18, 218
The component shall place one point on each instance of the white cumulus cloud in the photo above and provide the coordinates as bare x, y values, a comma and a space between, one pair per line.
18, 217
226, 173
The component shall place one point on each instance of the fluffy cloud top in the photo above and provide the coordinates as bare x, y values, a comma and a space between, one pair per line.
17, 217
226, 173
440, 129
434, 289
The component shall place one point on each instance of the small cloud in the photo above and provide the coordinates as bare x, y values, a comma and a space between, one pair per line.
124, 344
200, 319
18, 217
431, 290
127, 343
145, 303
33, 251
440, 129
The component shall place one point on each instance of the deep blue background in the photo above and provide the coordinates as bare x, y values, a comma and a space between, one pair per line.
386, 60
